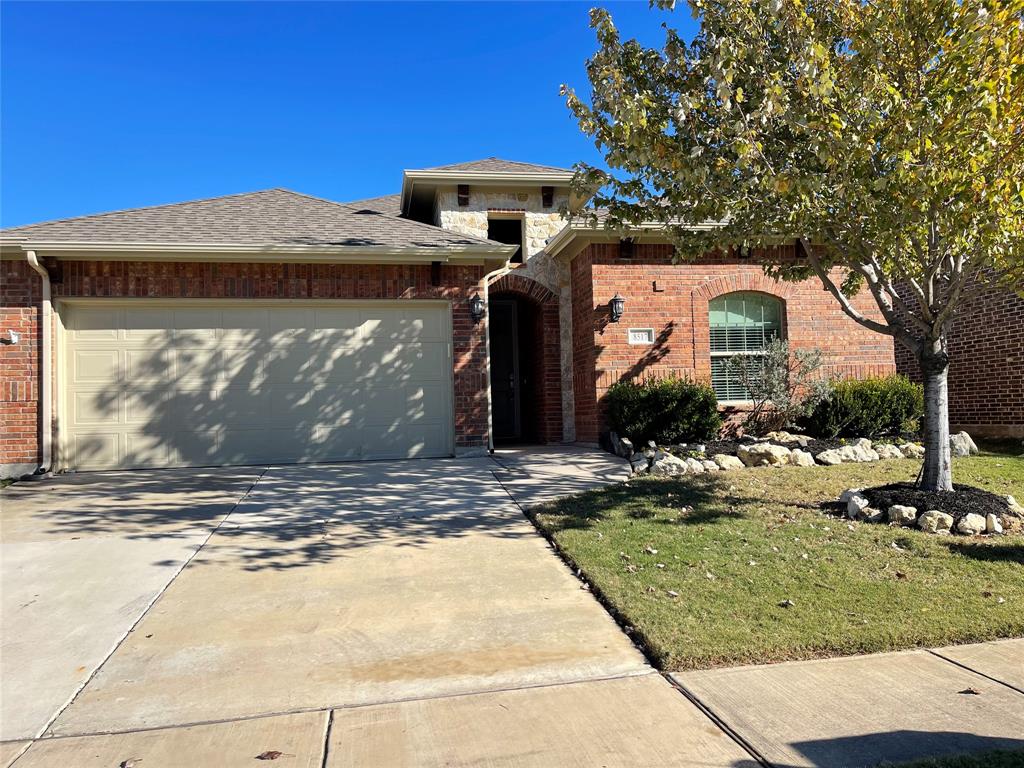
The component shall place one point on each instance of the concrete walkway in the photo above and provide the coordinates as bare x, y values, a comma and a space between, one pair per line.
400, 614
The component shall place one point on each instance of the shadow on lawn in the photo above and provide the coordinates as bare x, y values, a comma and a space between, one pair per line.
707, 499
993, 553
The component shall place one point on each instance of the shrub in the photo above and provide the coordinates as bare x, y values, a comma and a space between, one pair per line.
784, 386
877, 407
669, 410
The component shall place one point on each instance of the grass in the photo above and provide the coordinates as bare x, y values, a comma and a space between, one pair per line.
734, 545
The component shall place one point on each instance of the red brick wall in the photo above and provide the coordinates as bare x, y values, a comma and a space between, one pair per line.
20, 311
546, 357
584, 317
986, 368
20, 296
678, 313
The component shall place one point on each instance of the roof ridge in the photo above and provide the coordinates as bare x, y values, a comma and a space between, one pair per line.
145, 208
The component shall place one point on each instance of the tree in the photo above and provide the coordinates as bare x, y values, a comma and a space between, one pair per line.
883, 139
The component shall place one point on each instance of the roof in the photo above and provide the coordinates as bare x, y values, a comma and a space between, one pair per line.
268, 218
387, 204
497, 165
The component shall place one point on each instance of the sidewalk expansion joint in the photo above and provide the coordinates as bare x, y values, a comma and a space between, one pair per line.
976, 672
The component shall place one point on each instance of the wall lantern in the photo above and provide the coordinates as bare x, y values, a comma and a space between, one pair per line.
476, 308
617, 305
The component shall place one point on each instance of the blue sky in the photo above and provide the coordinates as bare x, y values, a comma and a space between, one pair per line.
115, 105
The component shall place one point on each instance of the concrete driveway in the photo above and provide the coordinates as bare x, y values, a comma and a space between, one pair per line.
318, 610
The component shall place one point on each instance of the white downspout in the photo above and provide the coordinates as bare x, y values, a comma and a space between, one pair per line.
45, 362
502, 270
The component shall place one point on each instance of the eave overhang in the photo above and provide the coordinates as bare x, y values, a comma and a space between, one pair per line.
410, 178
470, 254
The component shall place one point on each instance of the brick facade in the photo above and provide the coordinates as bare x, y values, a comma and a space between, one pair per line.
986, 368
20, 310
672, 299
547, 388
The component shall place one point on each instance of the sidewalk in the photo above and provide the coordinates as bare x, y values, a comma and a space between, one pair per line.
832, 713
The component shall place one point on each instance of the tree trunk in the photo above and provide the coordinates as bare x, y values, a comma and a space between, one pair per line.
937, 474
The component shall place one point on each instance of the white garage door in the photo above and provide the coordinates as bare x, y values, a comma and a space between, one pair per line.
194, 384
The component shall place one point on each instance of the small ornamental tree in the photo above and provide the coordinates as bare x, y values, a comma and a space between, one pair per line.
882, 139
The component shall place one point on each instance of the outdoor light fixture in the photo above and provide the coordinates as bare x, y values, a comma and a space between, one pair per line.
476, 308
617, 305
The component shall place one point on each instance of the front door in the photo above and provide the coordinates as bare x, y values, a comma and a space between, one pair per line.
505, 390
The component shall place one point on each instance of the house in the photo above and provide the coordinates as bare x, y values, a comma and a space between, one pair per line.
986, 367
278, 327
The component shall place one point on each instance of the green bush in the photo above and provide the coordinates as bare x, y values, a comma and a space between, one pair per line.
877, 407
669, 410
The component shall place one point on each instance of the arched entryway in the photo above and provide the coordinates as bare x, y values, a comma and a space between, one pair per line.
526, 388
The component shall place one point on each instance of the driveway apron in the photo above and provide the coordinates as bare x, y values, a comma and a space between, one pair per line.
351, 584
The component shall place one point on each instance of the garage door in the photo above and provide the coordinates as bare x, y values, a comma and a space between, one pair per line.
190, 384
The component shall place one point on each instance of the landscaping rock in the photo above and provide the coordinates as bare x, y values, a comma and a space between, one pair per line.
856, 452
1015, 509
763, 455
830, 457
691, 447
639, 463
971, 524
888, 451
912, 451
667, 465
902, 515
993, 524
710, 466
846, 495
934, 521
693, 466
872, 515
781, 436
801, 458
855, 506
961, 444
621, 446
725, 461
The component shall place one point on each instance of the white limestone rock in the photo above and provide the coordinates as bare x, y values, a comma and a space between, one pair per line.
849, 493
830, 458
710, 466
763, 455
800, 458
855, 506
993, 524
961, 444
902, 515
934, 521
912, 451
725, 461
888, 451
971, 524
667, 465
693, 466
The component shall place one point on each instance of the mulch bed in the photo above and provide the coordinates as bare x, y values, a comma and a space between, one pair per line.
962, 500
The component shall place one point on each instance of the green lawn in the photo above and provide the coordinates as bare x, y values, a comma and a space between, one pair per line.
734, 545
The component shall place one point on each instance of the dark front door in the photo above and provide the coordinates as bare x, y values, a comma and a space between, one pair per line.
506, 397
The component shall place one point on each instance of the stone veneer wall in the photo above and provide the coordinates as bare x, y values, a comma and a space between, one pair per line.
541, 223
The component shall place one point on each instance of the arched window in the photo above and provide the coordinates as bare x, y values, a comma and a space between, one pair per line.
741, 324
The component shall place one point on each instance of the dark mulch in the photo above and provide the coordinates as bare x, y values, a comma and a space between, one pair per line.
958, 502
814, 446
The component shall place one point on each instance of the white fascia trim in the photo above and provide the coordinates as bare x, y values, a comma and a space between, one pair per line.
234, 252
598, 233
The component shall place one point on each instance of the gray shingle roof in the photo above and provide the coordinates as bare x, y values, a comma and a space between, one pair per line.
497, 165
271, 217
390, 205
